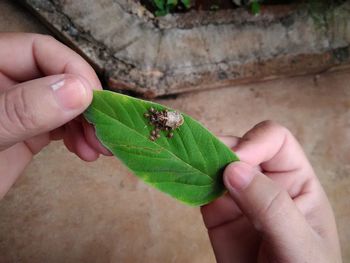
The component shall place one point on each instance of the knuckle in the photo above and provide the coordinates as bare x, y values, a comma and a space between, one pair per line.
43, 38
274, 207
270, 125
18, 112
72, 79
40, 41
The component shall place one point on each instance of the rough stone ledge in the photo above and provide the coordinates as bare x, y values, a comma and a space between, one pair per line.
134, 51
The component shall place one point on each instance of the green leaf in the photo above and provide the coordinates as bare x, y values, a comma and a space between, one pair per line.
255, 7
187, 3
187, 166
162, 12
160, 4
171, 3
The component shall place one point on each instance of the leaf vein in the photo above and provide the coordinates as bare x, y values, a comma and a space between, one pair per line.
198, 150
169, 152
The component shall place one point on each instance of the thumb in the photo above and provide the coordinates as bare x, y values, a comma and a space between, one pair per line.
267, 206
34, 107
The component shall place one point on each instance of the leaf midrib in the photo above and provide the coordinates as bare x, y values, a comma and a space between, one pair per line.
172, 154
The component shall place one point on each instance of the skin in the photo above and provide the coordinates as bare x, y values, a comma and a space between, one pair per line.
29, 65
275, 209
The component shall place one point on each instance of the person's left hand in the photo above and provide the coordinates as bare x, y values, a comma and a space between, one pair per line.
44, 86
276, 209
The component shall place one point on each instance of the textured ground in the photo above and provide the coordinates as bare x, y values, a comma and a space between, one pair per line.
65, 210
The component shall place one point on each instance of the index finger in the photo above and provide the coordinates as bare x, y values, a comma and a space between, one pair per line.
26, 56
273, 147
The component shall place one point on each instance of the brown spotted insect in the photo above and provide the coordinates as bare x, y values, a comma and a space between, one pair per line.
163, 120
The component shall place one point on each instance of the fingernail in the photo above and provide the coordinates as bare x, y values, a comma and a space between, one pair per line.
238, 176
70, 93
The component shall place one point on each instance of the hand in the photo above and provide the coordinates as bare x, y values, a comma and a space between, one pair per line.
275, 209
43, 86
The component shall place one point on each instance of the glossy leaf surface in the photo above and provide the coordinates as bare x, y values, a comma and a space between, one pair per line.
187, 166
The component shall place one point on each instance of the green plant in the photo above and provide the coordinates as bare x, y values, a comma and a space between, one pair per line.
164, 7
318, 10
188, 166
255, 7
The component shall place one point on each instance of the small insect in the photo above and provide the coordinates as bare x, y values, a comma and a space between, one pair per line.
174, 120
163, 120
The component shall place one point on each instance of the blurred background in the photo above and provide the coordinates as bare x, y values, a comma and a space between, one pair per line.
65, 210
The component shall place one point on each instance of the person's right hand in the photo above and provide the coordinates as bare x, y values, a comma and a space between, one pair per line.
44, 87
275, 209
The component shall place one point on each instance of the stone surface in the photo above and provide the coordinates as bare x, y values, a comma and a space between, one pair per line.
65, 210
157, 56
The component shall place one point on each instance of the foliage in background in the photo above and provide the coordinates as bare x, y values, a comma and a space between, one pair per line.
164, 7
188, 166
255, 7
316, 7
319, 8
